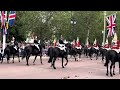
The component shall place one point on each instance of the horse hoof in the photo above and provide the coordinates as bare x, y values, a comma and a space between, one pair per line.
27, 64
65, 64
113, 73
106, 74
63, 67
48, 61
13, 62
54, 68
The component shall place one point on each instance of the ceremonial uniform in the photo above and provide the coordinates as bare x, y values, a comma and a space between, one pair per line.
115, 44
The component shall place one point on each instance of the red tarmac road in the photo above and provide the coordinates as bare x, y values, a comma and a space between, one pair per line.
82, 69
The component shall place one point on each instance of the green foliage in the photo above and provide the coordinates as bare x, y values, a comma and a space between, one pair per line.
44, 24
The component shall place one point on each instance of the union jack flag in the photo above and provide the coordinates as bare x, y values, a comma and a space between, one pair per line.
3, 18
111, 24
11, 18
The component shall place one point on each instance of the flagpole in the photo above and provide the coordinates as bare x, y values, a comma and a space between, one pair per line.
4, 35
104, 27
4, 40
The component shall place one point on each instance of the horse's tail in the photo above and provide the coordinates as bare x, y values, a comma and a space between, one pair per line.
50, 54
49, 51
24, 54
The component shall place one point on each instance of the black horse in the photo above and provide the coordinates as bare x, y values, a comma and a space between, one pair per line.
113, 57
54, 53
93, 51
103, 53
86, 51
11, 50
72, 51
33, 50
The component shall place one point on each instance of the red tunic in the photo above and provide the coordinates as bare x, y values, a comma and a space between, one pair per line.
106, 45
116, 46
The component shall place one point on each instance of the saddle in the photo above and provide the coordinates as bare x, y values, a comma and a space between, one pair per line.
15, 47
62, 47
36, 45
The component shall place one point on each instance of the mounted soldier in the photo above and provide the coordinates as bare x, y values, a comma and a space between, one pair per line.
13, 41
115, 43
36, 42
107, 45
61, 44
95, 45
78, 44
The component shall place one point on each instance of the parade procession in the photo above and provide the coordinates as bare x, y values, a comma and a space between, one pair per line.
60, 44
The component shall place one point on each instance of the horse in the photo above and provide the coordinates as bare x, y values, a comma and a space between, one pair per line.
33, 50
71, 51
11, 50
103, 53
93, 51
114, 57
54, 53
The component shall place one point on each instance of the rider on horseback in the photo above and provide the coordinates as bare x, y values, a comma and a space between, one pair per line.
36, 43
115, 44
107, 45
61, 45
95, 44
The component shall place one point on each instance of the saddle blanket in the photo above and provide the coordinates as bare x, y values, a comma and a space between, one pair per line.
96, 48
15, 47
78, 47
89, 47
37, 46
117, 50
61, 47
107, 48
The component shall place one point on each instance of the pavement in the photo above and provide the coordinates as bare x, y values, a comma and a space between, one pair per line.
82, 69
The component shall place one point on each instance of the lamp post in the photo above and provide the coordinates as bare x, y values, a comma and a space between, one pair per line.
73, 23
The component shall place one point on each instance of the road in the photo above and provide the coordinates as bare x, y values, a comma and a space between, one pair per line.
82, 69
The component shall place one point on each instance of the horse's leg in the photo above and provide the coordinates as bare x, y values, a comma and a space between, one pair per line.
119, 66
34, 60
62, 63
97, 56
114, 69
53, 64
107, 69
74, 57
66, 60
90, 55
27, 58
8, 58
13, 58
111, 69
18, 57
41, 59
2, 58
102, 58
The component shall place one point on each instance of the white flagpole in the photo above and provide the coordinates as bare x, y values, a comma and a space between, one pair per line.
4, 37
104, 27
4, 41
